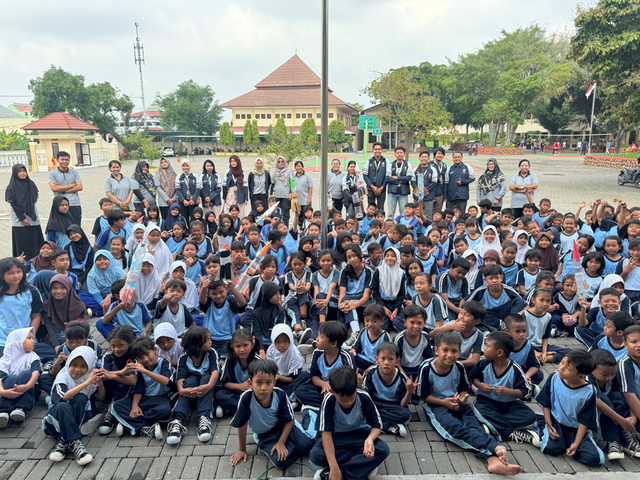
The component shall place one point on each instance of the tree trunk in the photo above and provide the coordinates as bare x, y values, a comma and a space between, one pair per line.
619, 134
509, 133
467, 132
481, 132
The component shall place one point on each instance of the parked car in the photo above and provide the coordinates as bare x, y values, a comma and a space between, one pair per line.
168, 152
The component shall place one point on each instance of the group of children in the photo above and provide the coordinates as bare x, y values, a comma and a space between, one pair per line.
458, 307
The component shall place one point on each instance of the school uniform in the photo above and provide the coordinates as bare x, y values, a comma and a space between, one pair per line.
366, 348
610, 265
511, 273
113, 389
526, 279
252, 251
503, 414
458, 426
473, 242
155, 402
632, 282
173, 246
45, 382
221, 322
16, 310
605, 343
538, 329
454, 291
499, 308
180, 320
412, 356
436, 310
429, 265
628, 376
295, 300
570, 408
355, 288
349, 429
331, 310
232, 372
526, 358
387, 398
195, 376
205, 247
137, 319
267, 424
308, 393
471, 345
612, 396
566, 241
595, 326
565, 306
386, 242
17, 368
392, 303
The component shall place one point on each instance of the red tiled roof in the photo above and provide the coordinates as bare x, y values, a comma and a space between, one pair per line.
59, 121
283, 97
151, 113
293, 73
22, 108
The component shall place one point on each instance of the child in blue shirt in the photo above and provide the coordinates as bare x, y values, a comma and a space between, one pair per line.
523, 352
254, 244
102, 222
628, 377
176, 239
453, 286
116, 228
60, 261
195, 267
365, 347
527, 276
409, 219
134, 315
612, 336
171, 309
275, 218
277, 248
630, 273
591, 325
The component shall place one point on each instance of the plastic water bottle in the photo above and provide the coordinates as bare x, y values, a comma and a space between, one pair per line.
133, 274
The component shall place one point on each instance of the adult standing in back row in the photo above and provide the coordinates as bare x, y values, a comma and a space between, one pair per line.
441, 170
334, 185
376, 172
66, 181
281, 188
522, 183
458, 177
399, 183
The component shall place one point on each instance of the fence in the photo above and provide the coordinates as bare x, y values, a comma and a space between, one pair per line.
9, 159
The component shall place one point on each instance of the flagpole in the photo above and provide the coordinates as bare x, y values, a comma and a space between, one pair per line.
593, 106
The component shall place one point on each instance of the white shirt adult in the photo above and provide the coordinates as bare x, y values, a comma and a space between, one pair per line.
522, 183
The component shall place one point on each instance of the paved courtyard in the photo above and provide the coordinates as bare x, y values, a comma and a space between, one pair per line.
24, 449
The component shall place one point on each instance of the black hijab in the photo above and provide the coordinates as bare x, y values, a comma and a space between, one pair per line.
254, 210
339, 255
82, 246
58, 221
212, 227
265, 311
22, 194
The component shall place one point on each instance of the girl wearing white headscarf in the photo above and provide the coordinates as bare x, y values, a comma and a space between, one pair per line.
190, 298
149, 285
133, 242
523, 247
487, 243
154, 245
617, 283
288, 358
167, 343
19, 367
473, 271
387, 287
70, 404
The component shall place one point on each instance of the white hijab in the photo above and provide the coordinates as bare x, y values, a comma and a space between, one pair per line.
473, 272
390, 277
132, 243
608, 282
165, 329
64, 378
522, 249
161, 252
483, 246
148, 286
289, 361
15, 359
190, 298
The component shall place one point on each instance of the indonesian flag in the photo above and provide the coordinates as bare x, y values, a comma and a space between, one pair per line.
591, 89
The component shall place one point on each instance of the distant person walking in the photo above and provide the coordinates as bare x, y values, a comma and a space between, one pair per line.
535, 146
608, 146
66, 181
556, 148
22, 195
584, 147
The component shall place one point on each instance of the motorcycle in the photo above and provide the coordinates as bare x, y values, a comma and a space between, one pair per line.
630, 175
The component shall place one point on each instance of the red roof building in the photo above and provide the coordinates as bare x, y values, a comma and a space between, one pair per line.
292, 92
59, 121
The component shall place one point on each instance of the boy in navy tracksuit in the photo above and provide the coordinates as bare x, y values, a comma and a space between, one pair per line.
457, 179
616, 424
523, 352
570, 413
612, 338
413, 343
266, 409
501, 387
390, 389
349, 427
364, 349
629, 378
328, 356
444, 388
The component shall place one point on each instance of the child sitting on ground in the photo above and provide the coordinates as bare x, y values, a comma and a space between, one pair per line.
501, 387
629, 378
171, 310
445, 390
168, 344
453, 286
612, 338
134, 315
196, 378
267, 411
149, 404
390, 389
591, 324
413, 343
539, 327
523, 352
365, 347
570, 413
432, 303
288, 359
349, 426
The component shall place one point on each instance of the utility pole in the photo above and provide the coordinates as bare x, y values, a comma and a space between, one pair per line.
138, 56
324, 122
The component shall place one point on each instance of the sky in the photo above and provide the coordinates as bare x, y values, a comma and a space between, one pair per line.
232, 45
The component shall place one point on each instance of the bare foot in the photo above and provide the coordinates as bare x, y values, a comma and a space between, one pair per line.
496, 466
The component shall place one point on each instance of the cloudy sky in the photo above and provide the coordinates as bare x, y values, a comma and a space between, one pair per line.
231, 45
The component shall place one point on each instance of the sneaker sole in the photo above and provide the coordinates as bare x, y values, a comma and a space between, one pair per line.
158, 432
84, 460
4, 422
633, 453
18, 418
91, 426
173, 440
105, 431
204, 438
615, 456
56, 458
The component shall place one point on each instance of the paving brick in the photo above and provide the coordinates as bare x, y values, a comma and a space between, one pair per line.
8, 468
120, 452
148, 452
174, 470
107, 469
16, 454
58, 468
613, 466
44, 449
158, 467
192, 468
40, 470
221, 435
393, 464
30, 428
542, 461
629, 464
90, 471
24, 469
291, 471
426, 463
243, 469
208, 450
125, 469
522, 458
402, 447
476, 465
209, 468
409, 464
260, 464
107, 447
36, 439
225, 470
420, 442
443, 463
577, 466
438, 446
308, 470
129, 441
13, 442
459, 462
560, 464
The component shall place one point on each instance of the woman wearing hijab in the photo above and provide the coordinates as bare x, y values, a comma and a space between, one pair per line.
281, 188
105, 271
59, 221
80, 253
211, 189
62, 307
289, 360
268, 313
339, 254
144, 187
387, 287
188, 188
489, 241
492, 185
259, 183
165, 179
550, 260
523, 245
235, 187
19, 365
22, 195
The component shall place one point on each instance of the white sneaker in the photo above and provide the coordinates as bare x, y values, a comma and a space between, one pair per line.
4, 420
59, 452
351, 340
89, 313
219, 412
91, 425
119, 430
18, 415
402, 430
158, 431
47, 400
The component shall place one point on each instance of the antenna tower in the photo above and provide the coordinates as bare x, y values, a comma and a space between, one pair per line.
138, 55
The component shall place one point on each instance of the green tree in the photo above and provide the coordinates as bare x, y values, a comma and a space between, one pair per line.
268, 137
606, 42
104, 103
290, 145
280, 128
309, 133
191, 107
13, 141
247, 134
255, 133
555, 114
336, 134
355, 117
227, 137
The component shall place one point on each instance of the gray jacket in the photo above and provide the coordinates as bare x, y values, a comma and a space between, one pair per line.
281, 189
497, 193
334, 184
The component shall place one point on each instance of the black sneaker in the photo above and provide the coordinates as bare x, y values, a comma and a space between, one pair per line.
394, 429
525, 436
59, 452
82, 456
175, 430
633, 446
614, 451
204, 428
305, 336
322, 474
108, 423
